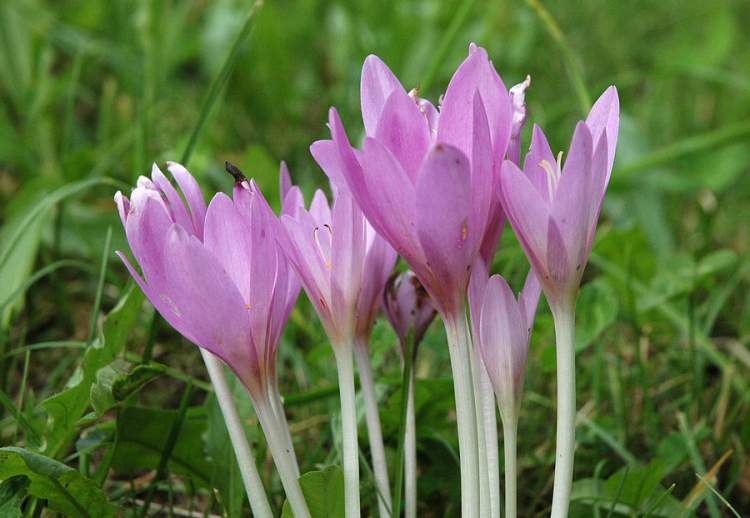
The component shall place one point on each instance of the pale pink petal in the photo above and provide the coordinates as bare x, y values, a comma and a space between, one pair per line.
443, 219
201, 293
176, 205
475, 73
573, 201
123, 206
605, 117
483, 185
539, 152
348, 252
391, 199
193, 195
527, 213
404, 130
228, 237
503, 341
319, 209
376, 85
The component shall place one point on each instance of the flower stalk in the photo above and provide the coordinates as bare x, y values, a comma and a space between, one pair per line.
564, 317
374, 433
350, 450
459, 347
256, 494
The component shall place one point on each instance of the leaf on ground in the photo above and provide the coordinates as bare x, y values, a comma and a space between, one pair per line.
142, 436
324, 493
12, 493
68, 406
65, 489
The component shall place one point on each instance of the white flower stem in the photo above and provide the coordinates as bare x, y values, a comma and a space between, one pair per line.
459, 346
282, 457
510, 436
489, 422
410, 453
278, 408
374, 433
345, 367
477, 371
256, 494
564, 317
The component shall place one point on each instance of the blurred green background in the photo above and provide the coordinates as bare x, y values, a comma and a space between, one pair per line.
92, 89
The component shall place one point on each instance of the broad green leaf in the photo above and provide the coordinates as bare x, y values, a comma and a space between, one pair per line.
13, 490
142, 436
324, 493
64, 488
67, 407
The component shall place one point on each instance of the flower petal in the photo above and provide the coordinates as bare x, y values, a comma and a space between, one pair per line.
604, 117
391, 200
527, 212
503, 342
573, 201
193, 194
376, 85
539, 151
202, 294
482, 170
176, 205
347, 257
404, 130
444, 208
475, 73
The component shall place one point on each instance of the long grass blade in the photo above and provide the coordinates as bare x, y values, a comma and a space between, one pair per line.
220, 80
100, 284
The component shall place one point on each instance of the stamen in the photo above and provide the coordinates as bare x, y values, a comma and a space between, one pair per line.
324, 249
553, 176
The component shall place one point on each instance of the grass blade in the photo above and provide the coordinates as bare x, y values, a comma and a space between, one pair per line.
438, 57
219, 81
100, 284
573, 67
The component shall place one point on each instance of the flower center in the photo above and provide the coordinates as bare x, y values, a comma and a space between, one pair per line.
553, 174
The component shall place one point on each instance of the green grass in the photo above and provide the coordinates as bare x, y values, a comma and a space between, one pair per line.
91, 93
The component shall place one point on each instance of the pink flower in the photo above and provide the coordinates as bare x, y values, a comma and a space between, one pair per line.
554, 208
215, 274
425, 179
407, 306
342, 263
501, 326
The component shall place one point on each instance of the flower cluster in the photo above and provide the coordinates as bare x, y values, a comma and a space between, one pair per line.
433, 185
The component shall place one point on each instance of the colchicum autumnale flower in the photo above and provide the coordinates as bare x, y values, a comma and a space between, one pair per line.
553, 209
425, 182
343, 266
501, 326
408, 308
218, 277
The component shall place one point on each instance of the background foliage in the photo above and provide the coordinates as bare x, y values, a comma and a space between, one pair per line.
106, 416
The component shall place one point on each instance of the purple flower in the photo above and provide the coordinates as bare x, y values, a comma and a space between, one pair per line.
215, 274
554, 208
342, 262
425, 179
407, 305
501, 326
